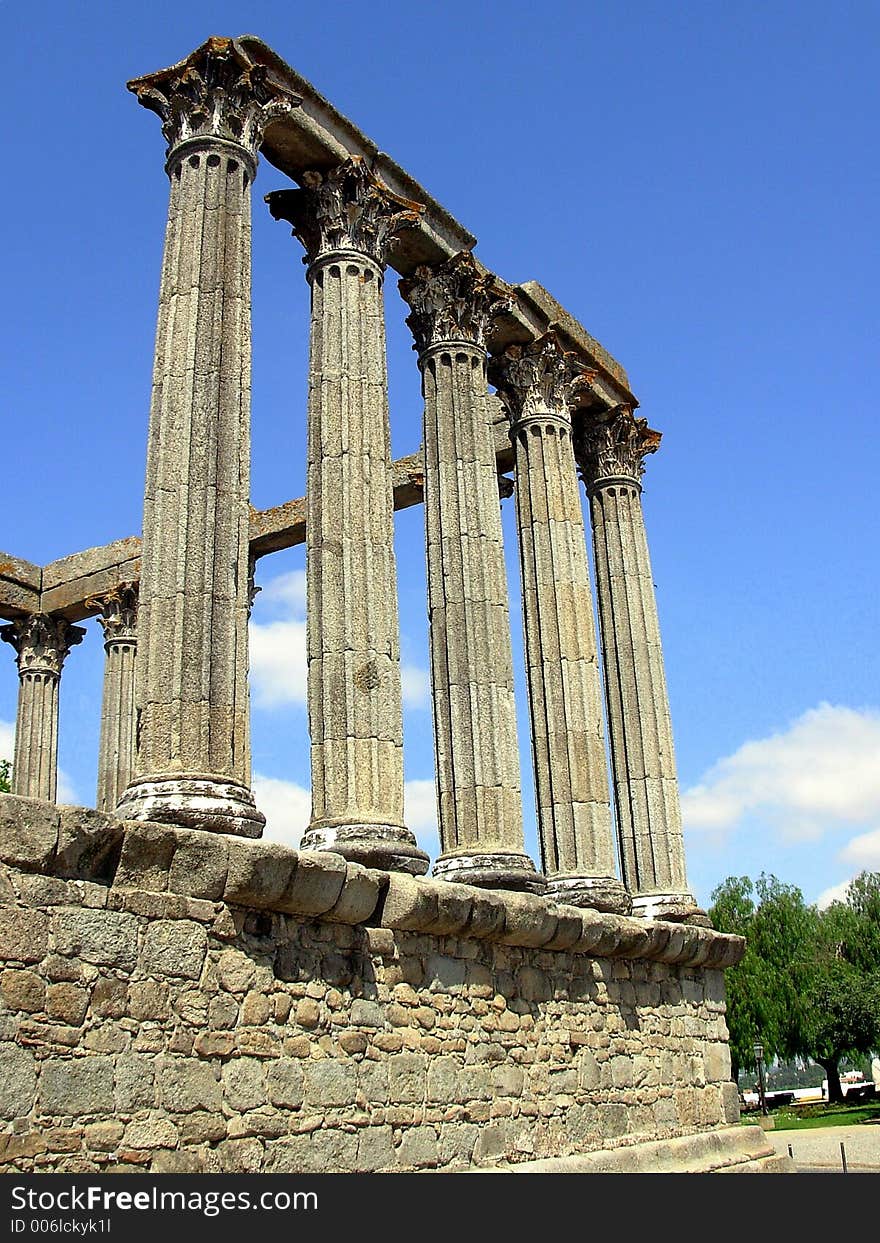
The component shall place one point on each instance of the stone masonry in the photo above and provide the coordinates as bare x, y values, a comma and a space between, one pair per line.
175, 1000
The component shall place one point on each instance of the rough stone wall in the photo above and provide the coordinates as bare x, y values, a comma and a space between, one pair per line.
154, 1030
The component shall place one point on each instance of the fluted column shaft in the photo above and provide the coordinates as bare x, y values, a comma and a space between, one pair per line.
610, 451
193, 760
477, 762
568, 746
41, 643
116, 749
352, 629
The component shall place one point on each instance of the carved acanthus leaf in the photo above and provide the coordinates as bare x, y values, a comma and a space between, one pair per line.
614, 443
540, 378
453, 302
347, 208
42, 642
118, 612
216, 92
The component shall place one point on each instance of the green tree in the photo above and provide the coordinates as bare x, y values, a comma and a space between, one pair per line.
765, 991
809, 982
5, 775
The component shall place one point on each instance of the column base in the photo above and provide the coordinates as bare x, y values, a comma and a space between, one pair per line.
600, 893
676, 908
491, 870
389, 847
213, 804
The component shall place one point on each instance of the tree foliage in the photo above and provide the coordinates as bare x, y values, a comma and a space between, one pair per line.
809, 982
5, 775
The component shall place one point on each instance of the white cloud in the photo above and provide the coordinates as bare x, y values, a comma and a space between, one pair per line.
420, 814
7, 740
415, 686
278, 663
837, 893
286, 806
286, 592
821, 772
66, 790
863, 851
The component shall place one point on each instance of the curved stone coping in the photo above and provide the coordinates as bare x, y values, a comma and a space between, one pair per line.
728, 1150
78, 843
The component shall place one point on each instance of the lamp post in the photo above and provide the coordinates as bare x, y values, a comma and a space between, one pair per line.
762, 1089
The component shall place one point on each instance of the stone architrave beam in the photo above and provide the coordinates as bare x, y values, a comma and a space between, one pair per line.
69, 583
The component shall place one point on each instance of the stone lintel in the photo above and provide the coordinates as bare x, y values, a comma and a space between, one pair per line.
543, 309
20, 586
188, 864
68, 584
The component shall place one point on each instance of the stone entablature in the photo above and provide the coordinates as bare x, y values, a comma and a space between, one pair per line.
181, 1001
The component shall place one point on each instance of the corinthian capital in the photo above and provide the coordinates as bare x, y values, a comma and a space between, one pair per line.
216, 92
42, 642
614, 443
538, 379
452, 302
118, 616
348, 208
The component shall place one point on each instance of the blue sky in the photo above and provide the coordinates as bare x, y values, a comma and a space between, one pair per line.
696, 182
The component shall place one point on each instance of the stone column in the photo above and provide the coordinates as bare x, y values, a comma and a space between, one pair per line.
346, 220
536, 384
42, 643
478, 785
193, 760
116, 751
610, 449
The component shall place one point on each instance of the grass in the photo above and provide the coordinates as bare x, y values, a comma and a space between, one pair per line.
808, 1117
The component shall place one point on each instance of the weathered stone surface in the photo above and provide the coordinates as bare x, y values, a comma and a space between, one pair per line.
316, 885
611, 447
23, 990
147, 851
67, 1003
200, 865
244, 1083
174, 947
259, 873
28, 832
187, 1084
17, 1081
82, 1085
285, 1084
105, 938
23, 934
156, 1132
89, 844
42, 643
330, 1083
359, 896
409, 903
529, 920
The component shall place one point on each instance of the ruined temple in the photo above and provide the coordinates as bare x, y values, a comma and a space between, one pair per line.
179, 995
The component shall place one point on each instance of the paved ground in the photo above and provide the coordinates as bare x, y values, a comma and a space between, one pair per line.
819, 1150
